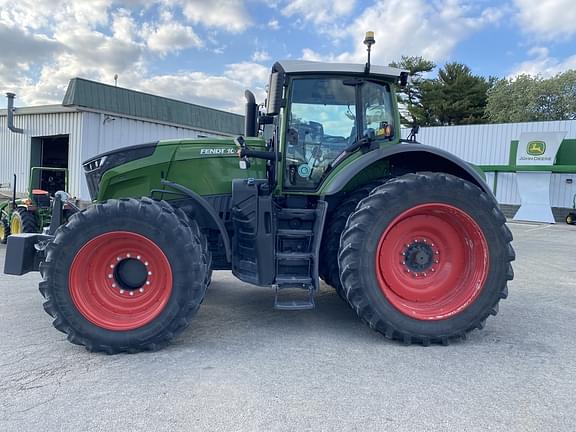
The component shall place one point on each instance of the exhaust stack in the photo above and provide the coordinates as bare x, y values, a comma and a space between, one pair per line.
10, 114
250, 126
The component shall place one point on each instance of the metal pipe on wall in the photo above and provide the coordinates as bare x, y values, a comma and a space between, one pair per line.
10, 114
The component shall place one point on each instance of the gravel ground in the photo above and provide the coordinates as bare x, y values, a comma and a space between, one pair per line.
243, 367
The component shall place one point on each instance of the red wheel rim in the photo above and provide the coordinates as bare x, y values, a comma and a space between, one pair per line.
432, 261
99, 288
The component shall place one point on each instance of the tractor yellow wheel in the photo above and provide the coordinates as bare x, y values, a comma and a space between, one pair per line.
23, 221
16, 223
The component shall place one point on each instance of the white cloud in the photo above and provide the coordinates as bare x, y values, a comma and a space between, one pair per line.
273, 24
319, 11
544, 65
547, 19
227, 15
260, 56
218, 91
249, 74
170, 37
123, 26
412, 27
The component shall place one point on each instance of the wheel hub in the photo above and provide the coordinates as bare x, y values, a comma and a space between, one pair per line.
419, 256
130, 274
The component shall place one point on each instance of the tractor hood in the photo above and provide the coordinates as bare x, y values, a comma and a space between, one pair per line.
205, 166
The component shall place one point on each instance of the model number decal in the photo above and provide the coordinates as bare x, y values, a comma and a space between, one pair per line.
217, 151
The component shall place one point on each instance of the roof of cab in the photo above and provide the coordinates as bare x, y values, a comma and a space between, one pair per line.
302, 66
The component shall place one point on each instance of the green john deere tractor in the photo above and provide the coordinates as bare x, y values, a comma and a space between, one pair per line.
32, 213
410, 236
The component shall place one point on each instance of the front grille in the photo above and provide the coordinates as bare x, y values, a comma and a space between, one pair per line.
93, 180
95, 168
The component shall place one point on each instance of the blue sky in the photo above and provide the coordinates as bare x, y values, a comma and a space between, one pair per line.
208, 51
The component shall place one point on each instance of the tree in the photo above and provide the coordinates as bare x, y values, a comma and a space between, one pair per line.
411, 108
456, 96
527, 98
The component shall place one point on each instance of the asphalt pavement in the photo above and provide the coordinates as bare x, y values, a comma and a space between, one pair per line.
242, 366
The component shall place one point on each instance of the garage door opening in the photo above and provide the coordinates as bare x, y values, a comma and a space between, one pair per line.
52, 152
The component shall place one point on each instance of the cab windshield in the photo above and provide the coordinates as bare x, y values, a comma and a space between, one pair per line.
323, 121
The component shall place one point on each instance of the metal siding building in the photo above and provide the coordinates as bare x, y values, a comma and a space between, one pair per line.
95, 118
490, 144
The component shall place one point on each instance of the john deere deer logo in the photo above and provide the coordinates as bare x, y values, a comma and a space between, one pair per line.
536, 148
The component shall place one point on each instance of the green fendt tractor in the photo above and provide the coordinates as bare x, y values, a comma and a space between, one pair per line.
410, 236
32, 213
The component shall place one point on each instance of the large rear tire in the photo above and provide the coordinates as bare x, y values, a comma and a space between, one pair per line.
124, 275
426, 258
328, 268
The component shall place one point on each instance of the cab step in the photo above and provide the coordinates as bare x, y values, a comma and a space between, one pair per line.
293, 298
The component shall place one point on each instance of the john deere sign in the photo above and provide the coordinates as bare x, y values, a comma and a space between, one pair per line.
534, 161
538, 148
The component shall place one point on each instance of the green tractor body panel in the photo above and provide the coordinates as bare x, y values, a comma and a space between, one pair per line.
206, 166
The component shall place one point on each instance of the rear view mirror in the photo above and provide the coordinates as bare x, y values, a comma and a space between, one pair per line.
275, 89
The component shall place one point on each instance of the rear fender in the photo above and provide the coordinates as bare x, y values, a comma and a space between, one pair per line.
404, 158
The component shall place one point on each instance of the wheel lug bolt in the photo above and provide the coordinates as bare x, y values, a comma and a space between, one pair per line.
403, 262
121, 291
118, 258
127, 255
110, 276
113, 285
138, 257
141, 290
131, 293
146, 263
149, 273
147, 282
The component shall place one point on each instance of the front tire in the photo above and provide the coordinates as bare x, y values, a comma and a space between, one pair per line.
426, 258
23, 221
4, 230
124, 275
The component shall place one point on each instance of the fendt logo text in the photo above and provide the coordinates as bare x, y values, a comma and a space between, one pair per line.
536, 148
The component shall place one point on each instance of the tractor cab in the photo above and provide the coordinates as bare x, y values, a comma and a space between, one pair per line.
325, 117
